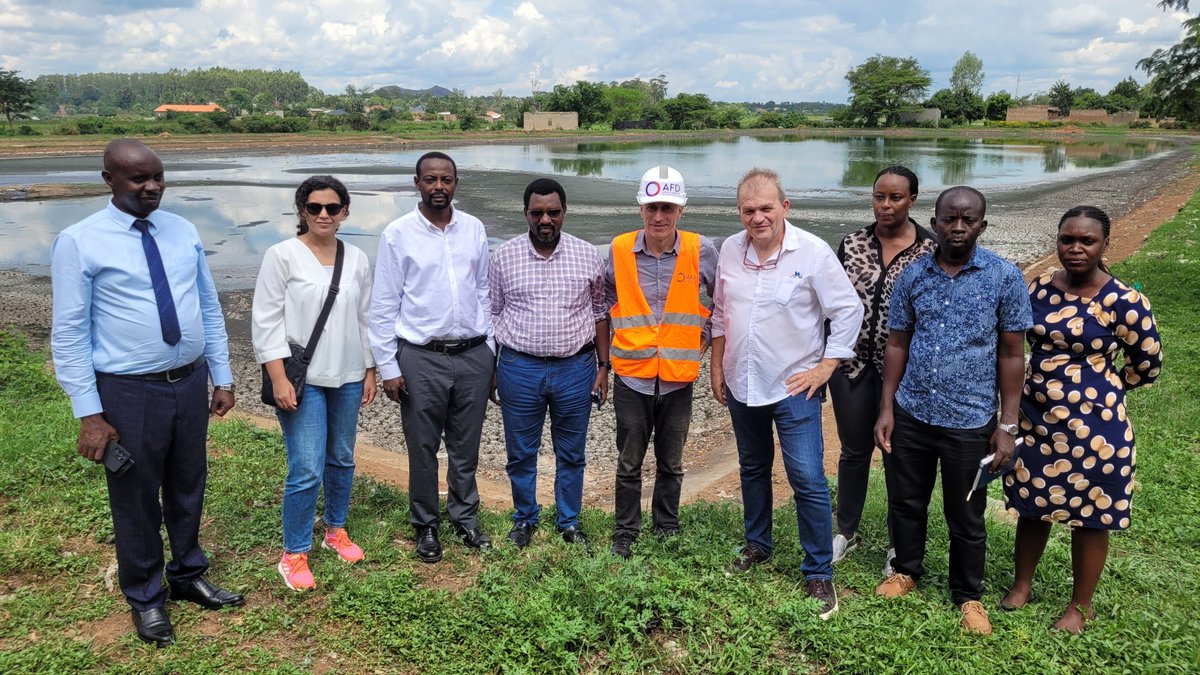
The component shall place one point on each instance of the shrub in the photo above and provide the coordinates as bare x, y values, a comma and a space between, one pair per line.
269, 124
26, 130
1139, 124
89, 125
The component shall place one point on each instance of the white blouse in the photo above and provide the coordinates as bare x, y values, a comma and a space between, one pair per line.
291, 289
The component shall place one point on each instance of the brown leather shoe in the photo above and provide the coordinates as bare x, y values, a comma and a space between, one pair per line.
974, 618
895, 586
748, 557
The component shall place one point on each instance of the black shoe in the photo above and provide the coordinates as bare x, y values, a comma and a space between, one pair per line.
666, 532
428, 548
521, 533
748, 557
622, 542
823, 591
206, 594
473, 537
573, 535
154, 626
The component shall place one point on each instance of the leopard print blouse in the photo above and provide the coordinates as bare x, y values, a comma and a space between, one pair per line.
860, 254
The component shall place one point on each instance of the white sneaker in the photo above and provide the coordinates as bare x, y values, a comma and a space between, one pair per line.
842, 546
887, 564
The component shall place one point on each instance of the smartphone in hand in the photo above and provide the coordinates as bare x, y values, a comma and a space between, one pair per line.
596, 399
117, 459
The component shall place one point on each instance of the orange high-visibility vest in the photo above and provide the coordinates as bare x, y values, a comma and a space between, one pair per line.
645, 348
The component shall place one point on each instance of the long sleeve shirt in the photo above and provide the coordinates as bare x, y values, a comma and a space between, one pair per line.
288, 297
773, 320
654, 278
105, 315
430, 284
546, 305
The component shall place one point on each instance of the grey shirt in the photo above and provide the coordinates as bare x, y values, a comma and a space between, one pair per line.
654, 278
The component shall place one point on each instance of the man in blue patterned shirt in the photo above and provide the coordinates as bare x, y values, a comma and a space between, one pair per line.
957, 325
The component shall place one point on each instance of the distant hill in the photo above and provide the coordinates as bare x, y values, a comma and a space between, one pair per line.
393, 91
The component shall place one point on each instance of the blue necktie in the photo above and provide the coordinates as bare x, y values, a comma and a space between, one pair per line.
167, 317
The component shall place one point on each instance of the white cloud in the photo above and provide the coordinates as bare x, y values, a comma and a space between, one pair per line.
528, 12
1126, 25
752, 50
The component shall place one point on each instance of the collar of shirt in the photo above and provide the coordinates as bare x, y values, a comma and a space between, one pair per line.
125, 220
639, 243
976, 261
538, 254
791, 242
429, 224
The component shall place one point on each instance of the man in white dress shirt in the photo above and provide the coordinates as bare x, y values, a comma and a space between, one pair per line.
430, 333
776, 287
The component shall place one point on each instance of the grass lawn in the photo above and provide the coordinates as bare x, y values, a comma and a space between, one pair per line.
674, 607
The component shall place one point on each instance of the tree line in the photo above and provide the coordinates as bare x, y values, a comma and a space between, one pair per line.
884, 90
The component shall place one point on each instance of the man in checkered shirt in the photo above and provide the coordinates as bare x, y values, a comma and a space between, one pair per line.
551, 328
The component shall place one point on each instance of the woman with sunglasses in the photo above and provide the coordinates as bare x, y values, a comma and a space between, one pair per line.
318, 423
873, 258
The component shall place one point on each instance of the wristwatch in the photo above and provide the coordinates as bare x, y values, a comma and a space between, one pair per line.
1010, 429
602, 364
224, 387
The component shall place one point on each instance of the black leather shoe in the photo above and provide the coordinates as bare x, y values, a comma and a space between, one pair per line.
429, 550
521, 533
154, 626
573, 535
473, 537
666, 532
206, 594
622, 543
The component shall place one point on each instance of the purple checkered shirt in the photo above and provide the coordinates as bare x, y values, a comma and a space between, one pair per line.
546, 305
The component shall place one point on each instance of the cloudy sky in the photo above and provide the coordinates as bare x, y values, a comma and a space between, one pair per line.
733, 51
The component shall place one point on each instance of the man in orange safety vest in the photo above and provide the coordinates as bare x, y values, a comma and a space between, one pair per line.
660, 329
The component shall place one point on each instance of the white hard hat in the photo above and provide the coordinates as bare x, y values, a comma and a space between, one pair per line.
662, 184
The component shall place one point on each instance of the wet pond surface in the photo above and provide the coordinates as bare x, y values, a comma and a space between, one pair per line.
242, 204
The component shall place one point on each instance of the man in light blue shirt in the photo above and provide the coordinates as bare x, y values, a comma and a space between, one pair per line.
137, 333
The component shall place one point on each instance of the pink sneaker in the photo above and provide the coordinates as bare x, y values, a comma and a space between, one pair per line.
337, 540
293, 567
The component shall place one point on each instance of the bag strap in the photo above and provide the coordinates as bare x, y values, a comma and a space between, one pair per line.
333, 291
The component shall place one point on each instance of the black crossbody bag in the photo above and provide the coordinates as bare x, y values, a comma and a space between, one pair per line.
296, 365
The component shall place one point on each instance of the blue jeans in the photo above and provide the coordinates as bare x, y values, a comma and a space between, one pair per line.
319, 437
528, 386
798, 421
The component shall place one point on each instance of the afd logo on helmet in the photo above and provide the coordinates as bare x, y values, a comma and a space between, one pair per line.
653, 188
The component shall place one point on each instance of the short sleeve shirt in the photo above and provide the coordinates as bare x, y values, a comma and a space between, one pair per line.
950, 378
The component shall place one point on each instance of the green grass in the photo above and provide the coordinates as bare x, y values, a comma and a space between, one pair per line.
674, 607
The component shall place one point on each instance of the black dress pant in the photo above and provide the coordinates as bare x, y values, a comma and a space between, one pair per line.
164, 426
855, 408
917, 448
665, 418
447, 399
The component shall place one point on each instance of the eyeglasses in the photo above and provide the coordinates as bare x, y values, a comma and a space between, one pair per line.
769, 265
314, 209
537, 214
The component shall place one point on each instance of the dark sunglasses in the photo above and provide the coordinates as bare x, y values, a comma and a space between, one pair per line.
314, 209
538, 213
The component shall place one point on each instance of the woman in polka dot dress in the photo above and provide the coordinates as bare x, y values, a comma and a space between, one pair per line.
1076, 466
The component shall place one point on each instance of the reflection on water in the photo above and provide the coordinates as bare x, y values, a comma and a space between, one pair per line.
579, 166
243, 206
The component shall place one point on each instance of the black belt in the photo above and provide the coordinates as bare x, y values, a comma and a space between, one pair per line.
589, 347
173, 375
451, 347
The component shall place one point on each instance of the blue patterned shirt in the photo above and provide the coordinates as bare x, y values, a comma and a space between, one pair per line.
950, 379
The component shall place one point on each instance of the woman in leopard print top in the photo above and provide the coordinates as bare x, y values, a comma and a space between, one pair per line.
873, 257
